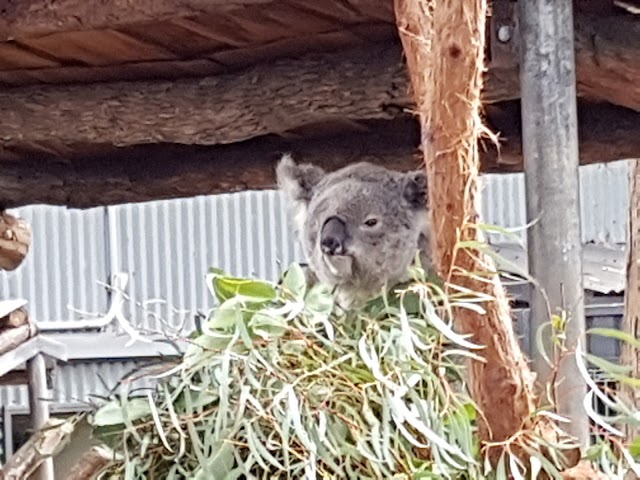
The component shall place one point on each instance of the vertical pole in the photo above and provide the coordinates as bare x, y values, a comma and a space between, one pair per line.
550, 148
39, 408
631, 324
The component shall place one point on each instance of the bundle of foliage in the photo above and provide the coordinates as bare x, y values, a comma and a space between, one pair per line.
280, 383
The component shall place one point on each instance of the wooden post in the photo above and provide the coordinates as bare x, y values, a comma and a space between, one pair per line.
630, 354
550, 147
39, 408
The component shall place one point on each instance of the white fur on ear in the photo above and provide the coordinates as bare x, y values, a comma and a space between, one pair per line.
297, 183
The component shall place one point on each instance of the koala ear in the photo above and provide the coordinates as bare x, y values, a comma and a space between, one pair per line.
414, 189
297, 181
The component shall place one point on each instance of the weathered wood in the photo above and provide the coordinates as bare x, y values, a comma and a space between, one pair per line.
38, 17
607, 58
42, 445
607, 133
630, 355
282, 95
15, 377
15, 319
10, 338
268, 98
15, 240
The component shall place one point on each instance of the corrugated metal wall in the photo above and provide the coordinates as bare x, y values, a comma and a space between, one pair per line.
167, 247
75, 384
604, 201
67, 260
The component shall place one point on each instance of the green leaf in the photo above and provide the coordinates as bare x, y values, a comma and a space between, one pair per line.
225, 316
218, 465
634, 448
319, 300
617, 334
607, 366
226, 287
295, 281
112, 413
268, 326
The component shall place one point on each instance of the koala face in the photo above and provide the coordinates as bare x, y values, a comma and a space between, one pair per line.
360, 226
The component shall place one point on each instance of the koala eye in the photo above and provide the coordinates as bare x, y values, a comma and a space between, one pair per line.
371, 222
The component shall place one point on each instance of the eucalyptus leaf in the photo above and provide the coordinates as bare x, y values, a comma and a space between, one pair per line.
112, 413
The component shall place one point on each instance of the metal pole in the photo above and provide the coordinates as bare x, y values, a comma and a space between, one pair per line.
39, 408
550, 148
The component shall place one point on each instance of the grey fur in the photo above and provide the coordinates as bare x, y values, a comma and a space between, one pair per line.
376, 256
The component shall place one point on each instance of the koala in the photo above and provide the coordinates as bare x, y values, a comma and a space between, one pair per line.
360, 226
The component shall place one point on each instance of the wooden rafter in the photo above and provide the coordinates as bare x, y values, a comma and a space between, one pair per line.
39, 17
150, 172
361, 84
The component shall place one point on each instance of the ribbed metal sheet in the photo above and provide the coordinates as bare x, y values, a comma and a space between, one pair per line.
66, 263
604, 202
168, 247
76, 384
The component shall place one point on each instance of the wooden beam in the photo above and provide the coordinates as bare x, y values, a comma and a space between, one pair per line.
15, 240
15, 319
11, 338
40, 17
163, 171
361, 84
267, 98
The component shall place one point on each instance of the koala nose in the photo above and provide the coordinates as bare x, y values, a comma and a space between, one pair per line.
333, 236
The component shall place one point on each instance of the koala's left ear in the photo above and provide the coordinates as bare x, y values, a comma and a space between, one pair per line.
297, 181
414, 189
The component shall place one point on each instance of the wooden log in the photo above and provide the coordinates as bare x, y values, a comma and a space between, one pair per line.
15, 240
39, 17
270, 98
42, 445
279, 96
608, 133
11, 338
15, 319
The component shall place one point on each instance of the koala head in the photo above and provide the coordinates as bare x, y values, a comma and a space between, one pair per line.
360, 226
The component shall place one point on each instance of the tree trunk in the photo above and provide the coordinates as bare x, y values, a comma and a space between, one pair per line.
630, 355
444, 43
445, 58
